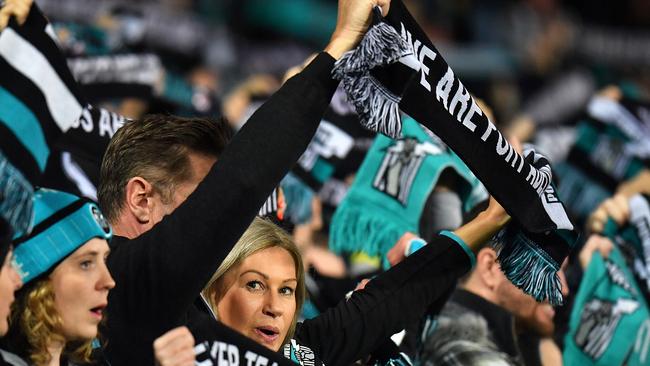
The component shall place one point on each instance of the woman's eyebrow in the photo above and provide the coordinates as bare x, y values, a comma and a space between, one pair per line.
90, 253
266, 277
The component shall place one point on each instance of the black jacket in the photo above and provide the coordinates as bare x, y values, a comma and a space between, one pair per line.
160, 273
499, 322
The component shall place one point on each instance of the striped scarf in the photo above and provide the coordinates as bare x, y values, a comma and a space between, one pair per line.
612, 145
334, 146
43, 110
396, 67
391, 189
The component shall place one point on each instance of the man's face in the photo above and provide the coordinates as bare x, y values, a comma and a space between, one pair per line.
201, 165
541, 320
537, 316
511, 298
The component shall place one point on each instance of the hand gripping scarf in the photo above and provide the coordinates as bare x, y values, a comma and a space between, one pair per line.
610, 322
633, 238
396, 67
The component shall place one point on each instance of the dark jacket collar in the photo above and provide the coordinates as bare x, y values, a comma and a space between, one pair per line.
500, 322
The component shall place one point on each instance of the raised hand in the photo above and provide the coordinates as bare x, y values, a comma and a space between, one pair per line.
353, 20
175, 348
16, 8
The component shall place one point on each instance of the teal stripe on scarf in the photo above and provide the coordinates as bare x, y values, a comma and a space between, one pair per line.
16, 206
298, 198
22, 122
606, 150
580, 194
322, 170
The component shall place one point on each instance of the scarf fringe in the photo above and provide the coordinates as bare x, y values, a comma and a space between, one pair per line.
529, 268
359, 230
16, 193
376, 106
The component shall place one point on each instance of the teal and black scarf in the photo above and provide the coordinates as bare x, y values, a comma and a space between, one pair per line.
610, 321
334, 146
391, 188
397, 68
612, 145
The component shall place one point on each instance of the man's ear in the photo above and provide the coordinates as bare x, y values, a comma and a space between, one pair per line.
486, 267
138, 199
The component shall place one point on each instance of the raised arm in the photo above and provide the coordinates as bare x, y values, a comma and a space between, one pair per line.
180, 254
401, 295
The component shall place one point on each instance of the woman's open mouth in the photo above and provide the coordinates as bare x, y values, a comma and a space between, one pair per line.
98, 312
268, 334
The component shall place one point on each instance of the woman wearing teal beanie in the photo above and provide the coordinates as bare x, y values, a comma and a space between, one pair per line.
56, 315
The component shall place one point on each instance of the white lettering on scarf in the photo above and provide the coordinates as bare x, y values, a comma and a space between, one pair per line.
108, 122
464, 108
226, 354
421, 51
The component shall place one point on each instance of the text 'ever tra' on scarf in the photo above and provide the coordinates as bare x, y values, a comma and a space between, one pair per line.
396, 67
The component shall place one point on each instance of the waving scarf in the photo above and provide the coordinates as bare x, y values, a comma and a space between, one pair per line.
633, 238
43, 110
396, 67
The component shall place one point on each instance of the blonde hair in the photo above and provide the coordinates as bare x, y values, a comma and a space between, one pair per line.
38, 324
261, 234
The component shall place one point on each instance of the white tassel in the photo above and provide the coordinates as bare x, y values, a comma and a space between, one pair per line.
378, 108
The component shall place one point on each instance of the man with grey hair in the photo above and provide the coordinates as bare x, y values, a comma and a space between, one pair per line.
480, 320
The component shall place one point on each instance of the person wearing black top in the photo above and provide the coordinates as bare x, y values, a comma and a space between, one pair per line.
161, 259
9, 278
259, 287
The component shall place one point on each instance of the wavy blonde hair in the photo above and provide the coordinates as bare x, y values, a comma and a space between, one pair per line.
261, 234
39, 324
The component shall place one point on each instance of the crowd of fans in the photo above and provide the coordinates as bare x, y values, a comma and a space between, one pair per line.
183, 182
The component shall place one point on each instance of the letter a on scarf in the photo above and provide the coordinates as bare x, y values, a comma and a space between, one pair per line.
396, 67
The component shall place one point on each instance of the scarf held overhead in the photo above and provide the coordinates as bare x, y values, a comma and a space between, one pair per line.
391, 189
610, 320
396, 67
408, 71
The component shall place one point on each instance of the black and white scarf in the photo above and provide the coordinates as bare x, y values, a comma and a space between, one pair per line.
337, 147
397, 68
43, 111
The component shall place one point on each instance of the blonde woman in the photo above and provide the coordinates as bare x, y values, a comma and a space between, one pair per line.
259, 288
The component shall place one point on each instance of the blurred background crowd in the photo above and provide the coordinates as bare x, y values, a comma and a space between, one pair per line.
508, 52
538, 64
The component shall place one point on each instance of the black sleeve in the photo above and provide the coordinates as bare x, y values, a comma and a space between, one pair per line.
397, 297
161, 272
